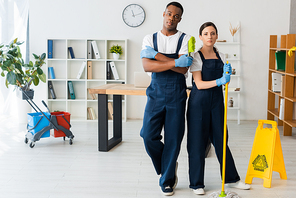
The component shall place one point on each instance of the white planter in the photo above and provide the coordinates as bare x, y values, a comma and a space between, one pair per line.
116, 56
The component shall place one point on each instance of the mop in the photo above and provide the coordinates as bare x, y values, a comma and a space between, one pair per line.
224, 193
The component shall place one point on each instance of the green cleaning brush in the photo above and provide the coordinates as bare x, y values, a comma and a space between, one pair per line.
191, 46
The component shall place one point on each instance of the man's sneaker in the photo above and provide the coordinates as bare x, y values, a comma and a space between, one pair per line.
240, 185
176, 177
199, 191
167, 191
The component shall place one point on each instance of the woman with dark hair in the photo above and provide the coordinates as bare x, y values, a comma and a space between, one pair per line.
205, 113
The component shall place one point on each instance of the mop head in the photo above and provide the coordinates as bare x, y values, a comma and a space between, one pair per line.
228, 195
191, 46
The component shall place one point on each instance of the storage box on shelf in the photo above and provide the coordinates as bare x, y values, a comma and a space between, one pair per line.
232, 51
67, 67
288, 93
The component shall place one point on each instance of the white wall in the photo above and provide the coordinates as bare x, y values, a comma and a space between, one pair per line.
102, 19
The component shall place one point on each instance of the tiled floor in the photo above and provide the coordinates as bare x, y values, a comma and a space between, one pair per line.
55, 169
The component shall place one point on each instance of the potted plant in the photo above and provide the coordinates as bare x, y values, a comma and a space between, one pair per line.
18, 73
116, 50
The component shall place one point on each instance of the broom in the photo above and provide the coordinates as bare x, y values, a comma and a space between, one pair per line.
191, 46
224, 193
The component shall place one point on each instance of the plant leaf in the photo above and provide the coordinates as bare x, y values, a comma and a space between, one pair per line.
36, 81
11, 78
43, 77
43, 56
2, 74
19, 77
6, 83
39, 71
35, 56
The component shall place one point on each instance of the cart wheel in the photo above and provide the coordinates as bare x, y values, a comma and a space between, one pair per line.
26, 140
70, 141
64, 138
32, 144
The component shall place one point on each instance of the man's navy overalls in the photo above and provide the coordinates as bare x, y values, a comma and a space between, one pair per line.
205, 119
166, 101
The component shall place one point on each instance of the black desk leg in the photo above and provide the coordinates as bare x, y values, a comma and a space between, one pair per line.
104, 143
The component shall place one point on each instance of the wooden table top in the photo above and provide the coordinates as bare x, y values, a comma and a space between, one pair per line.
118, 89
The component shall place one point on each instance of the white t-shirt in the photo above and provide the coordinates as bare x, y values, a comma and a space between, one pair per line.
167, 44
197, 62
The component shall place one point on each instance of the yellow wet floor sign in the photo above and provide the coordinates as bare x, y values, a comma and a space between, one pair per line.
266, 155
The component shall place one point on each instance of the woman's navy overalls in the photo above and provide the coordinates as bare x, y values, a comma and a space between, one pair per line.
205, 119
165, 108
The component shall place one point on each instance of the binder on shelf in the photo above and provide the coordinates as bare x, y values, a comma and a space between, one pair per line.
89, 50
91, 113
108, 71
71, 89
282, 85
89, 69
281, 109
50, 46
114, 70
81, 70
71, 52
110, 111
51, 72
276, 82
280, 57
51, 90
96, 49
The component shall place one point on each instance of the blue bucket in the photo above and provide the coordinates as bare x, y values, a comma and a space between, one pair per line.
37, 121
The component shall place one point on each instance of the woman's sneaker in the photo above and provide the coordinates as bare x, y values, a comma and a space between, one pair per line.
240, 185
167, 191
199, 191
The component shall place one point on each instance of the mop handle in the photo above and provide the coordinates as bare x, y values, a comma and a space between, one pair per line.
224, 137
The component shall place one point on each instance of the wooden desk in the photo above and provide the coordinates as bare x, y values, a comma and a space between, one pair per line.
117, 90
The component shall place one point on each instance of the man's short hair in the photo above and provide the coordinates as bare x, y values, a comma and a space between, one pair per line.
177, 4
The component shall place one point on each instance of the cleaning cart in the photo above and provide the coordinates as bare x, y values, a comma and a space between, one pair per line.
40, 124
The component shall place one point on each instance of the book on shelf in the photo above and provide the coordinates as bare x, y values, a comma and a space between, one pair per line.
108, 71
89, 50
110, 111
276, 82
81, 70
96, 49
50, 47
114, 70
281, 108
71, 52
89, 69
93, 96
51, 90
91, 113
71, 90
51, 72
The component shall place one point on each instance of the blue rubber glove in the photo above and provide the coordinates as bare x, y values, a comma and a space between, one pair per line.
223, 80
227, 68
183, 61
149, 52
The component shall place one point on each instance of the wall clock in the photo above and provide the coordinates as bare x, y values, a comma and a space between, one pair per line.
133, 15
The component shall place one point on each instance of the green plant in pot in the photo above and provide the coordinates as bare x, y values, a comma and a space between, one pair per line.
16, 72
116, 50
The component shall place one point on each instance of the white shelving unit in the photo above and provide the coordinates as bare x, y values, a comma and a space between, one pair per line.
66, 69
233, 51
